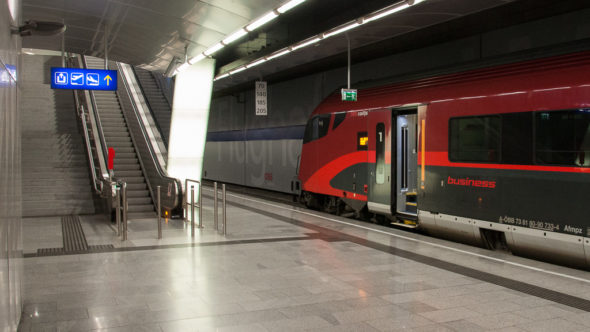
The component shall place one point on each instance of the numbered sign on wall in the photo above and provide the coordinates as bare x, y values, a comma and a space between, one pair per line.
261, 104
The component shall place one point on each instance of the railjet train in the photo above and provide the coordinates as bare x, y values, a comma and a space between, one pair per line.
497, 157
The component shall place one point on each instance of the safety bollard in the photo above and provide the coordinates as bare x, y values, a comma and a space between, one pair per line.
224, 211
124, 200
159, 214
215, 223
118, 209
200, 205
192, 211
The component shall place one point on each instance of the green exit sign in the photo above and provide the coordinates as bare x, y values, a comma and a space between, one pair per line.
348, 94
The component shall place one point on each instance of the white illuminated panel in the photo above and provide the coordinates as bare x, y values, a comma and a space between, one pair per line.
188, 126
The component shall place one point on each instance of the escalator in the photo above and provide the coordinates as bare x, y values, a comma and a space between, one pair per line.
159, 104
116, 134
124, 124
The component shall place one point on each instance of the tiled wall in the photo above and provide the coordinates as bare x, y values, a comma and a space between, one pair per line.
10, 171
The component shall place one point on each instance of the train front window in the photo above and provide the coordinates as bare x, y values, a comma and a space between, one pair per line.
316, 128
475, 139
563, 137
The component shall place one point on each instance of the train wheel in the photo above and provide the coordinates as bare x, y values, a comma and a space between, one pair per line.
331, 205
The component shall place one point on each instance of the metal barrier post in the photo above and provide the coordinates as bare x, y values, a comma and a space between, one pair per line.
124, 199
192, 211
118, 208
224, 211
185, 201
215, 223
159, 215
200, 205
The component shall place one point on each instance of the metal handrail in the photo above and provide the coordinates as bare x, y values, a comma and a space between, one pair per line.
97, 181
96, 124
87, 141
150, 149
199, 204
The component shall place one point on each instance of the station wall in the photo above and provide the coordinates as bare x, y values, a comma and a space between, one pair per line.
251, 150
11, 246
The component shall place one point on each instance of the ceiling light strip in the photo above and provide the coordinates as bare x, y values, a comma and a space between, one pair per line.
330, 33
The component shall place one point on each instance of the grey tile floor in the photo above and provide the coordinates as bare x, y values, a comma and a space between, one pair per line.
307, 284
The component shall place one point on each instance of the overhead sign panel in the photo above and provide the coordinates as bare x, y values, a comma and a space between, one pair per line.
348, 94
261, 101
83, 79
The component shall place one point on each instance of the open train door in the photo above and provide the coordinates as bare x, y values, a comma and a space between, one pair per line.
405, 188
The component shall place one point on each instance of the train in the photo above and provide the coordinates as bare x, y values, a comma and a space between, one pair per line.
497, 157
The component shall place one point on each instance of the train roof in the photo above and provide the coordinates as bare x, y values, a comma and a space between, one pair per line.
522, 76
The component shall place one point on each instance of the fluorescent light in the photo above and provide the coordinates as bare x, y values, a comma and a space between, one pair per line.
235, 71
262, 21
183, 67
289, 5
281, 53
213, 49
387, 12
235, 36
196, 59
341, 30
415, 2
221, 76
256, 63
309, 42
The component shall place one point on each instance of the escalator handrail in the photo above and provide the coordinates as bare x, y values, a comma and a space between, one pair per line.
161, 173
151, 109
98, 125
82, 116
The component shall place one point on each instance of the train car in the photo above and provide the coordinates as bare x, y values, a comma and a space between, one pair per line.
497, 157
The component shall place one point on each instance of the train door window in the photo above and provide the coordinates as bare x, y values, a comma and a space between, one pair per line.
563, 137
380, 153
474, 139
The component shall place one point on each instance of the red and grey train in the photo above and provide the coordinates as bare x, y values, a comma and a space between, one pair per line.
495, 157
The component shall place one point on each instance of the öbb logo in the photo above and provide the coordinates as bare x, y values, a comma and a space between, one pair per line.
467, 182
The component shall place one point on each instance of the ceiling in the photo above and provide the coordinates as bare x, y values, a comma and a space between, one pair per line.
151, 33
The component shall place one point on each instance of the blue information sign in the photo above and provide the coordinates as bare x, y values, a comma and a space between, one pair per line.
83, 79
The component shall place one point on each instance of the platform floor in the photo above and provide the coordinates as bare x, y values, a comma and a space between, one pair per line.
282, 268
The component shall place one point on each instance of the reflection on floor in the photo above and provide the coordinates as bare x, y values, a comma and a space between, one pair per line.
281, 269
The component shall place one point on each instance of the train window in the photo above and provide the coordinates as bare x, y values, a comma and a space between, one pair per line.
517, 138
338, 119
310, 128
317, 127
323, 125
563, 137
474, 139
